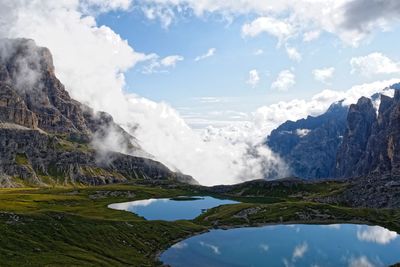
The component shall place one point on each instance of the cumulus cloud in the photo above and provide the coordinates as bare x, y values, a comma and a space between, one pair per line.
374, 63
293, 54
323, 75
254, 78
277, 28
210, 52
364, 15
284, 81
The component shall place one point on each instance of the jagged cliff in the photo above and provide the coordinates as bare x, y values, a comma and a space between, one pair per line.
344, 142
46, 137
371, 144
309, 145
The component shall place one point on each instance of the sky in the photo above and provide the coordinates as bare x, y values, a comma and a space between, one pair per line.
201, 83
238, 76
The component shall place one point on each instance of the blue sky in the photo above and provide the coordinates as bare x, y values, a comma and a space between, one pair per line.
224, 75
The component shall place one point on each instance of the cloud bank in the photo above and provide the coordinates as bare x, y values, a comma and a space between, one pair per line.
91, 60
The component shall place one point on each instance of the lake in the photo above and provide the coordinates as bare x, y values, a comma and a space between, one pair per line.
288, 245
181, 208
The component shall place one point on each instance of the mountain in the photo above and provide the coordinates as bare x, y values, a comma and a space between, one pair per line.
46, 137
309, 146
344, 142
371, 144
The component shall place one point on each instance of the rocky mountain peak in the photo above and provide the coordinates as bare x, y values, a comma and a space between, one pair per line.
46, 136
309, 145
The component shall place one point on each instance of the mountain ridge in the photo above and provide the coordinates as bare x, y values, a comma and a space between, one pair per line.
363, 140
47, 137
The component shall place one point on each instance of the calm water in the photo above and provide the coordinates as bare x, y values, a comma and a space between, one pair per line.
283, 245
170, 209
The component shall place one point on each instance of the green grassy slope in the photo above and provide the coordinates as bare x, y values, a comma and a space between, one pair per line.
74, 227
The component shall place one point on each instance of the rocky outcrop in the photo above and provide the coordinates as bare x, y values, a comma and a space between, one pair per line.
360, 119
46, 137
14, 109
371, 144
370, 191
309, 146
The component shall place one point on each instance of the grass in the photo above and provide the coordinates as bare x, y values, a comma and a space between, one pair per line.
21, 159
72, 226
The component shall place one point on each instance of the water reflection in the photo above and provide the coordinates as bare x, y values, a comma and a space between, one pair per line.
183, 208
376, 234
294, 245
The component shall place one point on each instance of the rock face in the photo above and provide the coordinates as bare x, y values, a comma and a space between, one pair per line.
371, 144
46, 137
360, 119
309, 146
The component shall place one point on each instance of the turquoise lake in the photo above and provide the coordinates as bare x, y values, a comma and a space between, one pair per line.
171, 209
288, 245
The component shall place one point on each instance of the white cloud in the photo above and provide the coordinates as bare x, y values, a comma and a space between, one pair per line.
360, 262
311, 35
374, 63
376, 234
284, 81
209, 53
156, 65
293, 54
170, 61
323, 75
254, 78
164, 14
105, 5
299, 251
277, 28
350, 20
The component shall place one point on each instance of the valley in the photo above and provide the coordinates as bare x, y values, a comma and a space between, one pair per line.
67, 226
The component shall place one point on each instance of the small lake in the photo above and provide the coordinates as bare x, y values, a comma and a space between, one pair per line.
288, 245
181, 208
